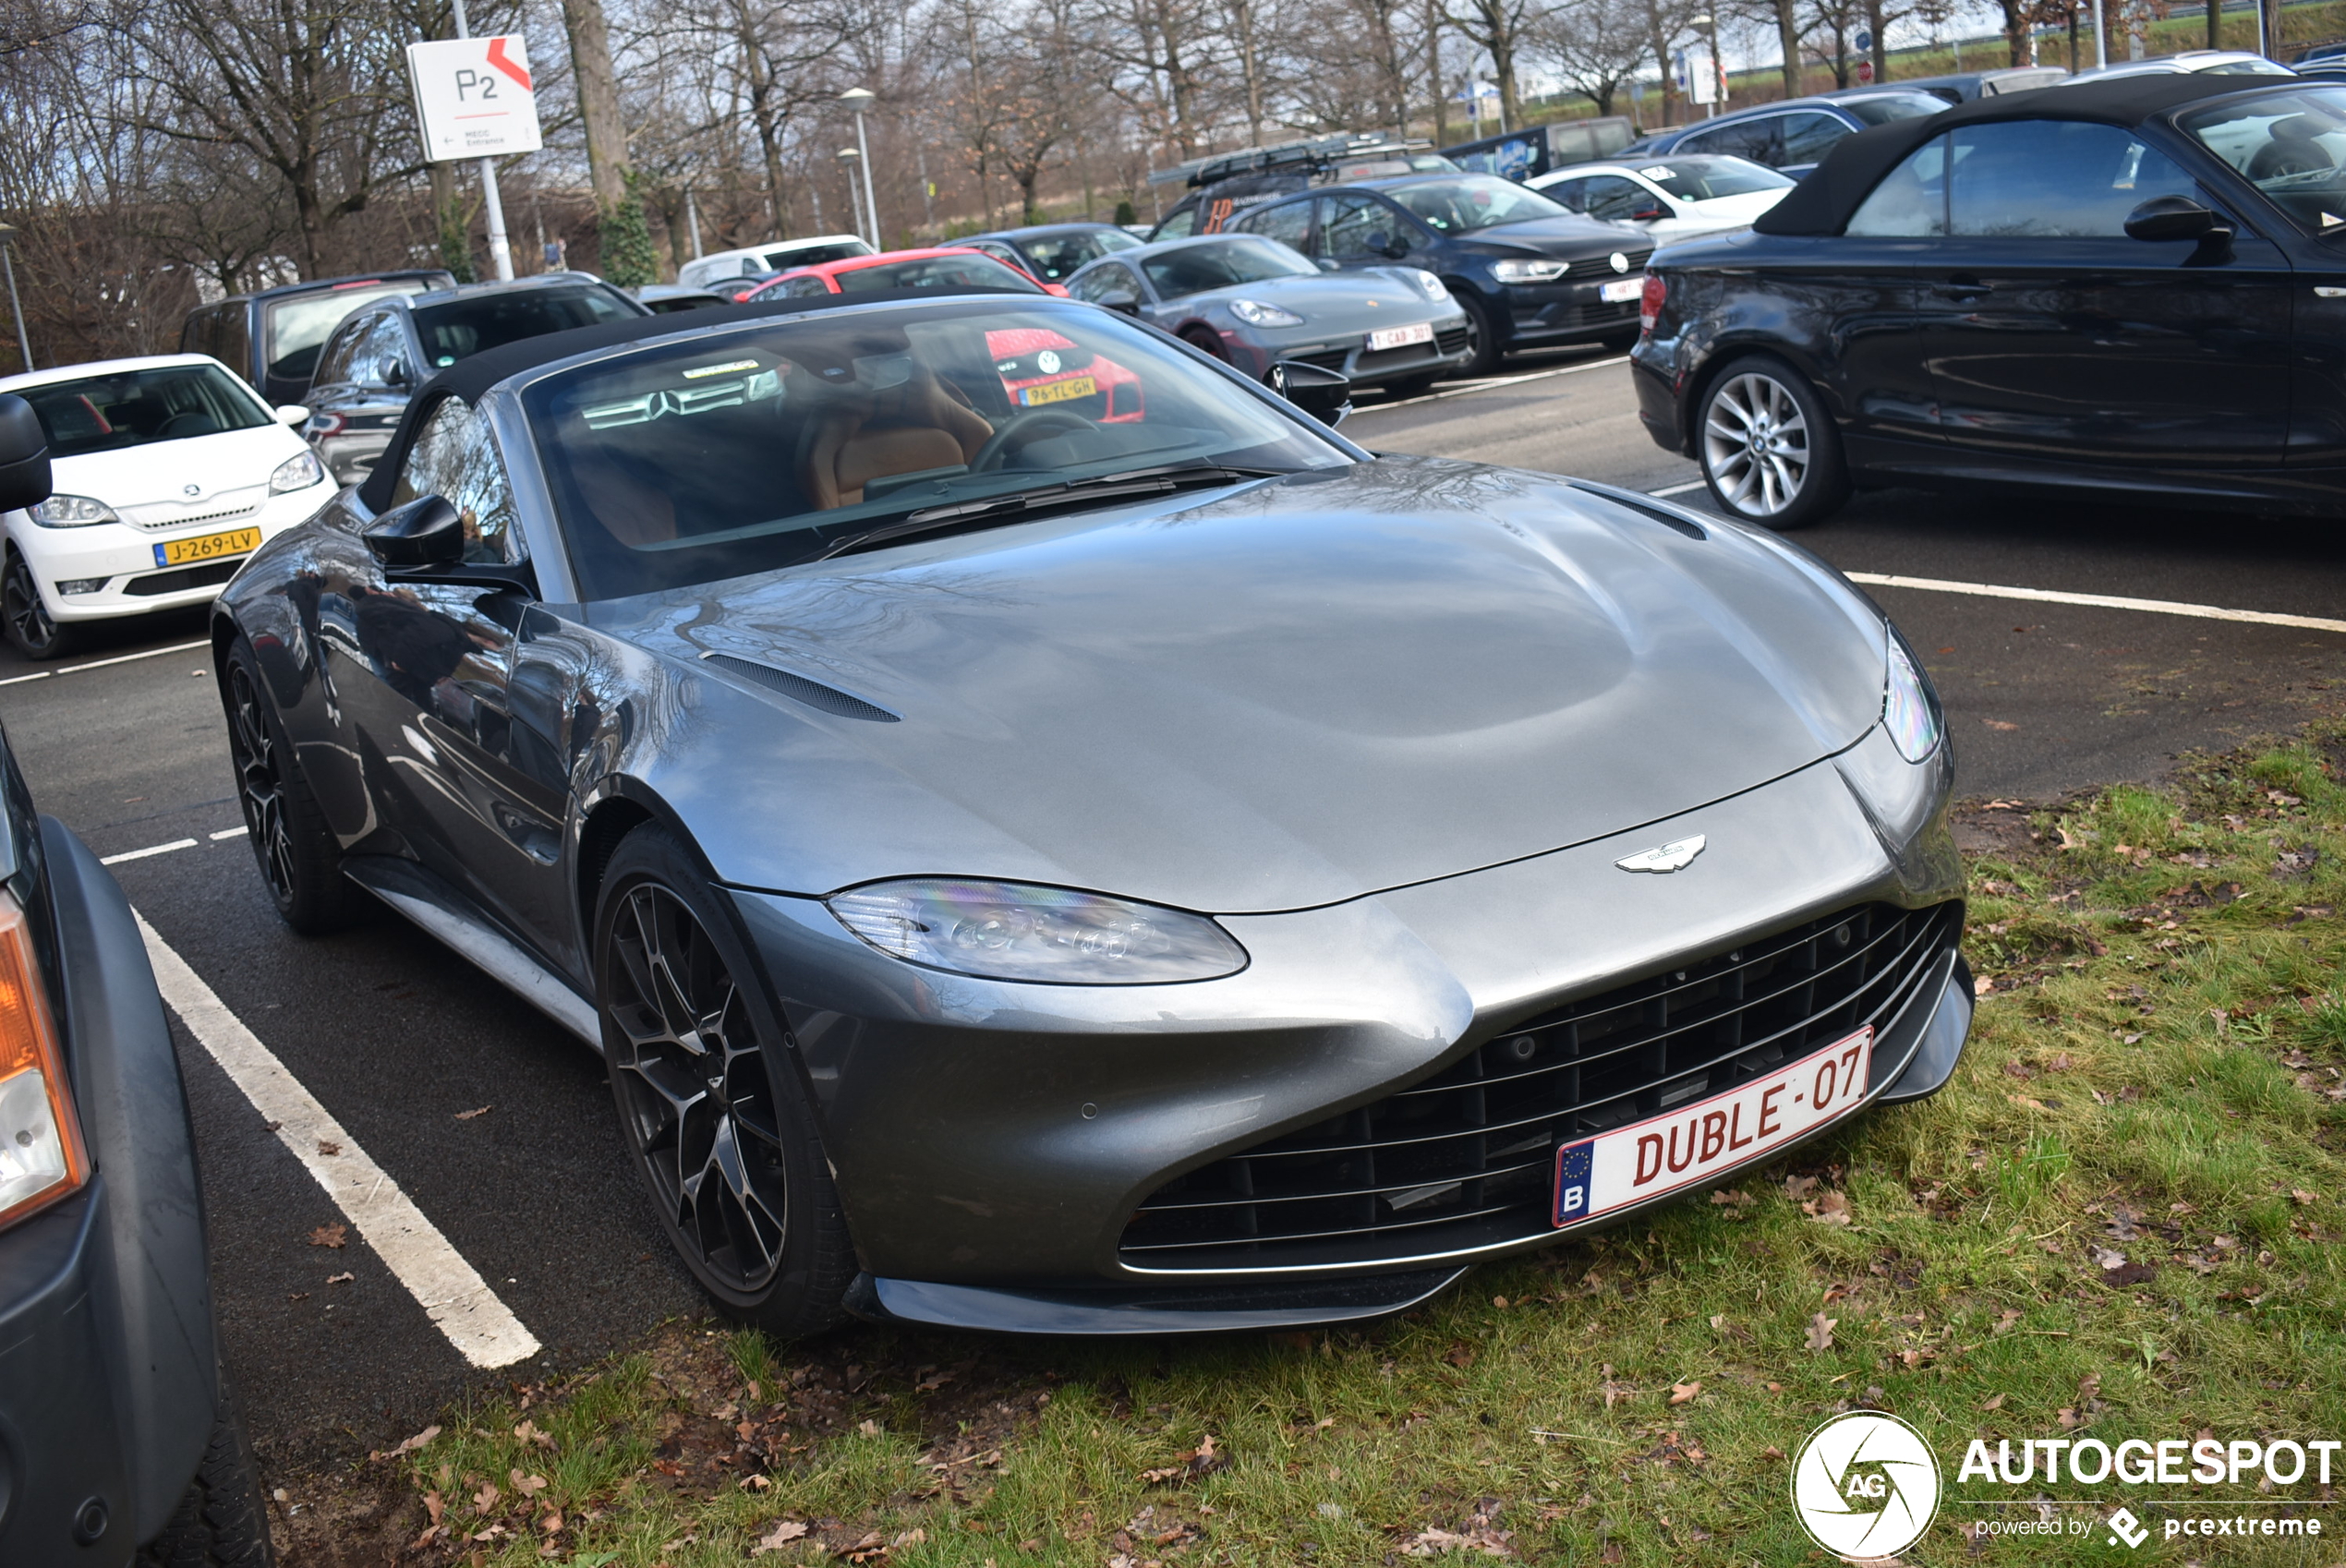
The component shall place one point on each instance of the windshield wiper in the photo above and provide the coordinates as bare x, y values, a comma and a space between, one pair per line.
1161, 481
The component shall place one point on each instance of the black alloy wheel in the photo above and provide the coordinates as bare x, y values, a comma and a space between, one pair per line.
1205, 342
718, 1124
31, 630
300, 859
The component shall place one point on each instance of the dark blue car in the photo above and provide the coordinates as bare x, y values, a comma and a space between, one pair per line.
1527, 271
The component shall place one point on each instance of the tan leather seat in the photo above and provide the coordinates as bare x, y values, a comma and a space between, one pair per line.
924, 424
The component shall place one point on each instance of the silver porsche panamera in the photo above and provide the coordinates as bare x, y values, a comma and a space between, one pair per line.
1050, 836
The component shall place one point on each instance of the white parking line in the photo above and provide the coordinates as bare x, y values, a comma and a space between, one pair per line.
1491, 383
150, 850
1668, 490
226, 832
102, 663
2100, 601
454, 1295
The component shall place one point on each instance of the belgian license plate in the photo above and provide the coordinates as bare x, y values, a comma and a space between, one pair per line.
1692, 1143
1400, 337
1059, 392
1621, 290
207, 546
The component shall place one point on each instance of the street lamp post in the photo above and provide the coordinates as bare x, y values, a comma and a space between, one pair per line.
859, 99
851, 157
7, 262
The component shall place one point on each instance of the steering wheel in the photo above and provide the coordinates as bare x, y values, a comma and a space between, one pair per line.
1033, 425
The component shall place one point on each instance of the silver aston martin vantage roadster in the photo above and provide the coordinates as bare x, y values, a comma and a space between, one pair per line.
1048, 835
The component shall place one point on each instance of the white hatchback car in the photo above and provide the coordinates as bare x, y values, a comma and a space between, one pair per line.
167, 472
1670, 198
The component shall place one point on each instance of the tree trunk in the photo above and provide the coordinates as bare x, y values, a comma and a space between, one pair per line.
1434, 70
1788, 35
2215, 24
2016, 31
597, 86
1880, 43
1242, 23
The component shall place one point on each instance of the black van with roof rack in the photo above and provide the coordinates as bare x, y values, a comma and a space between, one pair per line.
271, 336
1526, 155
1225, 183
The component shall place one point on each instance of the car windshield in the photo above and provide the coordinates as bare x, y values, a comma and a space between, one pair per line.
815, 254
1053, 256
1894, 106
2246, 69
769, 445
296, 329
1705, 179
141, 407
1218, 263
975, 271
2289, 143
466, 326
1458, 206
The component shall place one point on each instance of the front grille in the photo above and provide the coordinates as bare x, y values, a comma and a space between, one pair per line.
1451, 340
187, 577
157, 524
1464, 1160
1325, 359
1596, 267
1555, 318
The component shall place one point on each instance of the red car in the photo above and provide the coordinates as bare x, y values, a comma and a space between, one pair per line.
943, 267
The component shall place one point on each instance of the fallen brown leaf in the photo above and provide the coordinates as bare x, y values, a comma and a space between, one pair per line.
328, 1149
1681, 1393
329, 1235
528, 1486
784, 1532
340, 1279
1821, 1332
468, 1115
1995, 1403
409, 1445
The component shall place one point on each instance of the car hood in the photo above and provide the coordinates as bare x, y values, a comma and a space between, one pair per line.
1571, 238
160, 472
1286, 695
1353, 301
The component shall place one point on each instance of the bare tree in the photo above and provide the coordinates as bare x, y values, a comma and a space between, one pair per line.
1498, 27
1595, 45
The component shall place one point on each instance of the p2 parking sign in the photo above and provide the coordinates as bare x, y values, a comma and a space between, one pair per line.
473, 97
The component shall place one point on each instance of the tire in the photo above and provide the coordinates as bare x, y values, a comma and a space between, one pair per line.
300, 861
222, 1521
1484, 350
676, 992
1204, 342
1770, 451
31, 631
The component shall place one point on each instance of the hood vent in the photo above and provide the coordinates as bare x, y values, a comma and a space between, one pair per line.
798, 688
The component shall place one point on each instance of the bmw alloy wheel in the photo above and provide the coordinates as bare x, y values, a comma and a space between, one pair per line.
260, 783
1755, 445
692, 1083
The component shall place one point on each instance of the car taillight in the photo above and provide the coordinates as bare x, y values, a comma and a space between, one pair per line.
1649, 303
40, 1153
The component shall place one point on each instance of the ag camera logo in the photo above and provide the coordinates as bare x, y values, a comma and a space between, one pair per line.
1865, 1485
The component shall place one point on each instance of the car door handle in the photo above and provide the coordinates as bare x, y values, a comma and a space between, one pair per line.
1962, 291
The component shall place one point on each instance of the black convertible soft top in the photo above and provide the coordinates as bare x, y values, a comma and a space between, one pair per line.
467, 378
1825, 202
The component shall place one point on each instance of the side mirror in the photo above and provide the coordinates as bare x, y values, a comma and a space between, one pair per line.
24, 455
1124, 304
426, 532
292, 414
1382, 244
1330, 264
1324, 394
2171, 217
393, 371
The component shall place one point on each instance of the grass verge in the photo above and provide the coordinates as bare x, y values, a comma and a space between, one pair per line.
2118, 1221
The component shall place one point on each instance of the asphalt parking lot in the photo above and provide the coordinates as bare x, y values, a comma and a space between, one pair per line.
498, 1126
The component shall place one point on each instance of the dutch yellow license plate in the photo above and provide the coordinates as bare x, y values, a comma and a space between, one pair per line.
1061, 392
207, 546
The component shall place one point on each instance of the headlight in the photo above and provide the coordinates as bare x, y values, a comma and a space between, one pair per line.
72, 511
295, 474
1513, 271
1909, 707
41, 1157
1254, 313
1435, 289
1018, 930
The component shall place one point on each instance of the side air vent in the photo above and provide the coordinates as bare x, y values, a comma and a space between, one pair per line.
1644, 508
798, 688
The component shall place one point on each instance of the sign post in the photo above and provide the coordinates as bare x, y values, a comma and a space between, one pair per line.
474, 100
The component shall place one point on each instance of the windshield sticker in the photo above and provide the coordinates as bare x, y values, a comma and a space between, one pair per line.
697, 371
1659, 172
